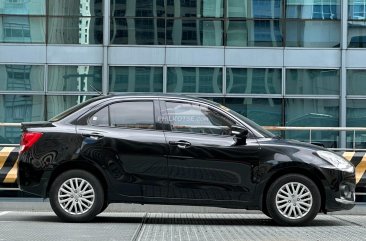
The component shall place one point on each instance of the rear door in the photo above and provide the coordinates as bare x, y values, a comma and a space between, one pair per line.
205, 162
125, 139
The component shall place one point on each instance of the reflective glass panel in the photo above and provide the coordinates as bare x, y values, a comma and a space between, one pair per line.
59, 103
194, 32
21, 77
75, 78
135, 79
23, 7
356, 113
313, 112
192, 8
144, 31
10, 135
137, 8
22, 29
356, 82
21, 108
254, 8
357, 9
253, 81
312, 81
357, 34
75, 7
318, 34
264, 33
263, 111
313, 9
194, 80
75, 30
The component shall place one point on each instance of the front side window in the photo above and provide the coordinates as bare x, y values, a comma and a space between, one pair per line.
132, 114
100, 118
191, 118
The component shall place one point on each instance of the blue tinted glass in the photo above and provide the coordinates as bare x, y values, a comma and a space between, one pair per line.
21, 77
266, 8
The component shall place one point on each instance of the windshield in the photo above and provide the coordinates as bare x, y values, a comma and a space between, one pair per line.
252, 124
74, 108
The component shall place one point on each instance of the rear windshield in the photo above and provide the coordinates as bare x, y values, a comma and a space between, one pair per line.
74, 108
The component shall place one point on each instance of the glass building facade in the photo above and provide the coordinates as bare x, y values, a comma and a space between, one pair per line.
278, 62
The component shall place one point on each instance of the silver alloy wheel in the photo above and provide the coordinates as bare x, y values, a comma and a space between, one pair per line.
76, 196
294, 200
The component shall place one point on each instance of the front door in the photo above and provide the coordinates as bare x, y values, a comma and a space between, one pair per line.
205, 162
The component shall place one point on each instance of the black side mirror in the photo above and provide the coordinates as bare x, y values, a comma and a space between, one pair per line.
240, 132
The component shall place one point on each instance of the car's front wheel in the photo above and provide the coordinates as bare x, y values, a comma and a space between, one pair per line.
76, 196
293, 199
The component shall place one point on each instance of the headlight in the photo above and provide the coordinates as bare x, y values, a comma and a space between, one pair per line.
336, 161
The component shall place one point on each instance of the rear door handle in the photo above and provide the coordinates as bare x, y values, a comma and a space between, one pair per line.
93, 135
180, 144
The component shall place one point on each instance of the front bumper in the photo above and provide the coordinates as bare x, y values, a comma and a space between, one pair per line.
341, 195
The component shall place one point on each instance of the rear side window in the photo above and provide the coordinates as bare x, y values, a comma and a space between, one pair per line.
132, 114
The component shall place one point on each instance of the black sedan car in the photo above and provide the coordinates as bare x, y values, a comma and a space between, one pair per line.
172, 149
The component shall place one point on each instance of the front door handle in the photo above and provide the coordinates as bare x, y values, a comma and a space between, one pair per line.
180, 144
93, 135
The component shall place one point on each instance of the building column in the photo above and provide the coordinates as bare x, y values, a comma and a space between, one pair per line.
105, 71
343, 83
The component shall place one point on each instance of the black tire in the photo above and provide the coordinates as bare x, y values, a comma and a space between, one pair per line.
105, 205
301, 213
73, 216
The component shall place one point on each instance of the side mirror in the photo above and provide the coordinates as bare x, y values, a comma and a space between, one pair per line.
240, 132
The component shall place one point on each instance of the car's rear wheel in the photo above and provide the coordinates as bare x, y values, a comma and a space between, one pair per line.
76, 196
293, 200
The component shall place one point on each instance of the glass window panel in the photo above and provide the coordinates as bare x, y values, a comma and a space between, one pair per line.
254, 8
137, 8
21, 77
194, 80
253, 81
22, 29
313, 9
10, 135
356, 82
199, 8
22, 7
356, 117
21, 108
194, 32
264, 33
313, 112
357, 9
75, 7
135, 79
318, 34
139, 114
357, 34
312, 81
75, 78
263, 111
191, 118
75, 30
144, 31
59, 103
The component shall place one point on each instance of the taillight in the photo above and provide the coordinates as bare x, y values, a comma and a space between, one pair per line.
28, 139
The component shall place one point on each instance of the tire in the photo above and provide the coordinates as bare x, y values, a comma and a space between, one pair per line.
82, 205
293, 200
105, 205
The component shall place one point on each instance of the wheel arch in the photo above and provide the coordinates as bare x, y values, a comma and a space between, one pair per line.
309, 173
79, 165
